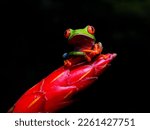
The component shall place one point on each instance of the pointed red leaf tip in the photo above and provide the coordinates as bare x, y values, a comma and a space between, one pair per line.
54, 92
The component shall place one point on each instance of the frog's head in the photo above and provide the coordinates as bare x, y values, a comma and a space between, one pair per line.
80, 36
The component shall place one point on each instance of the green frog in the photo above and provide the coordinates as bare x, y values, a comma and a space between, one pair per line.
84, 44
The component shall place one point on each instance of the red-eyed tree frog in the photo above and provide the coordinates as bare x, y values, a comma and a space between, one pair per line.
84, 44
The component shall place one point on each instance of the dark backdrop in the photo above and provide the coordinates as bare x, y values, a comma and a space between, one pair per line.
32, 45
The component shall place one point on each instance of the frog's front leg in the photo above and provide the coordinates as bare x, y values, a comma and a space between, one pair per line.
97, 49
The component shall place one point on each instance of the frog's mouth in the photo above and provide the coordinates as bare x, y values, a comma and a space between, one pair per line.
81, 40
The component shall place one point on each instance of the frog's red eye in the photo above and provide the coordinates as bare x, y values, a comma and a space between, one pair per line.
91, 29
67, 33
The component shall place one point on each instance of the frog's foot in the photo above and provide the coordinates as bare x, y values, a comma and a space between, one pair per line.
67, 63
97, 48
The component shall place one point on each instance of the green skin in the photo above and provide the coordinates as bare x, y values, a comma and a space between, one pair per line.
83, 32
77, 38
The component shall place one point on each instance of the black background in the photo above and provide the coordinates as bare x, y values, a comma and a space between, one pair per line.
32, 45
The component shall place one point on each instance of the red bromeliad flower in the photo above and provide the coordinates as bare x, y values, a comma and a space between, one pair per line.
56, 90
